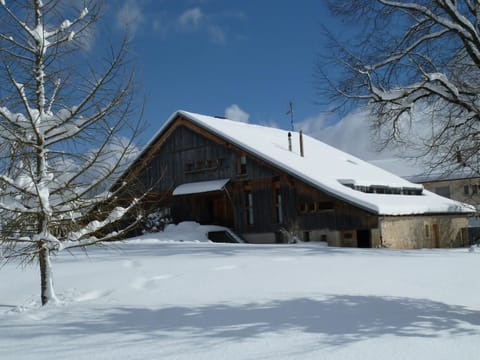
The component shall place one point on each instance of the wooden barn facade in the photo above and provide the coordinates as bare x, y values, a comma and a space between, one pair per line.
270, 185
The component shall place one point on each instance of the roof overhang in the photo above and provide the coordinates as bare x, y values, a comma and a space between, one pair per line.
200, 187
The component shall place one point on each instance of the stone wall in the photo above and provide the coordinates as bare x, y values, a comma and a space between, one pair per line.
416, 232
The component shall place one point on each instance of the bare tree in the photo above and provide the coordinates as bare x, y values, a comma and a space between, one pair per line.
417, 66
66, 126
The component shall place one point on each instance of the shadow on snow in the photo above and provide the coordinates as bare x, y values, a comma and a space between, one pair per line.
339, 319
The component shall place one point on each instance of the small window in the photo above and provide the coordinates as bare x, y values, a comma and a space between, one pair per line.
427, 231
189, 167
466, 190
325, 205
474, 189
443, 191
208, 164
278, 207
303, 207
221, 163
242, 165
200, 165
249, 207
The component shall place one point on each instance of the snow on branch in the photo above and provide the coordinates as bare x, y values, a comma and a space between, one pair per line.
84, 237
456, 23
15, 206
406, 52
445, 83
67, 29
19, 185
65, 128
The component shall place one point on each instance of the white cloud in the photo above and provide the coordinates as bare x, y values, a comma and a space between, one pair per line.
234, 112
197, 20
353, 134
87, 38
191, 19
217, 35
131, 16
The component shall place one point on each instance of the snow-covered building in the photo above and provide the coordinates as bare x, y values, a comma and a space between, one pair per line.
460, 183
266, 183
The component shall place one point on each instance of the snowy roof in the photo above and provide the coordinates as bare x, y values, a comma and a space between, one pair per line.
200, 187
326, 168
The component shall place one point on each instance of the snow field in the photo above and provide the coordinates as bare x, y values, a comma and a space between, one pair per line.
240, 301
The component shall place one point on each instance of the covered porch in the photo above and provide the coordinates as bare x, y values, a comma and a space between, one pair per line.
205, 202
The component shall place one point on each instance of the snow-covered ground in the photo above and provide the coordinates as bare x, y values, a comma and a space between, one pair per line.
198, 300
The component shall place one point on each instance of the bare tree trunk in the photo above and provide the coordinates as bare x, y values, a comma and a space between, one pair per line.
46, 280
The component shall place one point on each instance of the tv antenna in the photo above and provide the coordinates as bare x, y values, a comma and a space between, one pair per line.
290, 112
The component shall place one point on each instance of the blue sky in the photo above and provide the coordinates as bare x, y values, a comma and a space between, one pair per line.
244, 59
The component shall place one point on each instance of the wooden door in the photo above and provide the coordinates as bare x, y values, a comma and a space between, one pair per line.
222, 212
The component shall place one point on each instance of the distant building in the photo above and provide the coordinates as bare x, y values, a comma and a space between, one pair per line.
461, 184
266, 183
457, 186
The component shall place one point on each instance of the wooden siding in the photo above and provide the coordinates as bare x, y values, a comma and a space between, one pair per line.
341, 216
338, 215
184, 146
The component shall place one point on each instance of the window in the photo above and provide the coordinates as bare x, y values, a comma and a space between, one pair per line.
474, 189
306, 236
375, 189
315, 206
200, 165
242, 165
278, 207
189, 167
466, 190
325, 205
443, 191
249, 207
303, 207
204, 165
221, 163
427, 231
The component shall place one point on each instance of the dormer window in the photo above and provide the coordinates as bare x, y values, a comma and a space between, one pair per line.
381, 189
